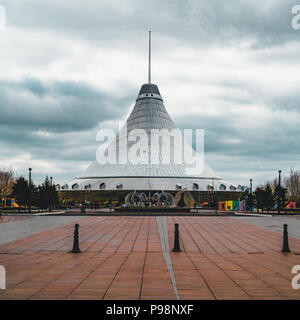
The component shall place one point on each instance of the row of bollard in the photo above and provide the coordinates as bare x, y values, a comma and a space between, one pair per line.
76, 249
176, 239
285, 246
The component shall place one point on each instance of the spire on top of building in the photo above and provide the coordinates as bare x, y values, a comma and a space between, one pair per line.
149, 90
149, 66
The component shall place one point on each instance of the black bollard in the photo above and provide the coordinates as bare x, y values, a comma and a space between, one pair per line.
76, 240
285, 247
176, 239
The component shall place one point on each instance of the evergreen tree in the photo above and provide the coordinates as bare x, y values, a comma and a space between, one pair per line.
259, 196
53, 196
280, 197
46, 196
269, 197
248, 197
20, 191
244, 196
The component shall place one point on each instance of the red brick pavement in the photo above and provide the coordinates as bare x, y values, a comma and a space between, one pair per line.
221, 258
232, 259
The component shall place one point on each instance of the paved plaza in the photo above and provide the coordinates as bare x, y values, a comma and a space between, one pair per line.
132, 258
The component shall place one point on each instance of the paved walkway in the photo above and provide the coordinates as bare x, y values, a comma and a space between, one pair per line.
275, 224
4, 219
23, 226
122, 258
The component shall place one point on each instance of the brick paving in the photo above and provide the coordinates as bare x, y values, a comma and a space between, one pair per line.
221, 258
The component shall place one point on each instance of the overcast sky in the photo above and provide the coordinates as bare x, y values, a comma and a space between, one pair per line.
69, 68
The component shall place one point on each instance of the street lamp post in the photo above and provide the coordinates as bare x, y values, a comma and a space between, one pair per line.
29, 200
215, 203
251, 193
50, 206
279, 192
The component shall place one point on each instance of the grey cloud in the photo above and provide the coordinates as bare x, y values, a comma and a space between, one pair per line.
63, 146
58, 106
225, 136
199, 22
288, 102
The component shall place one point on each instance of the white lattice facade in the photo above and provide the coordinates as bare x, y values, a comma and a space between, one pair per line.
148, 113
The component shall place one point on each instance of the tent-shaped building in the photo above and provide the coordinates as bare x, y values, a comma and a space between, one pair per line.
148, 113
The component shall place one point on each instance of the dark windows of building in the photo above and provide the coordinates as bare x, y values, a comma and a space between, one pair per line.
102, 186
75, 186
195, 186
178, 186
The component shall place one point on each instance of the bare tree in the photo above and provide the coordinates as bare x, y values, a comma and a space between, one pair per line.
293, 185
6, 182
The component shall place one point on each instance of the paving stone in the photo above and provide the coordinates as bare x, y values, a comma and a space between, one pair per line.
122, 258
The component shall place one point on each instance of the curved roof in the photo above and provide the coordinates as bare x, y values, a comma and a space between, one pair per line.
149, 88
